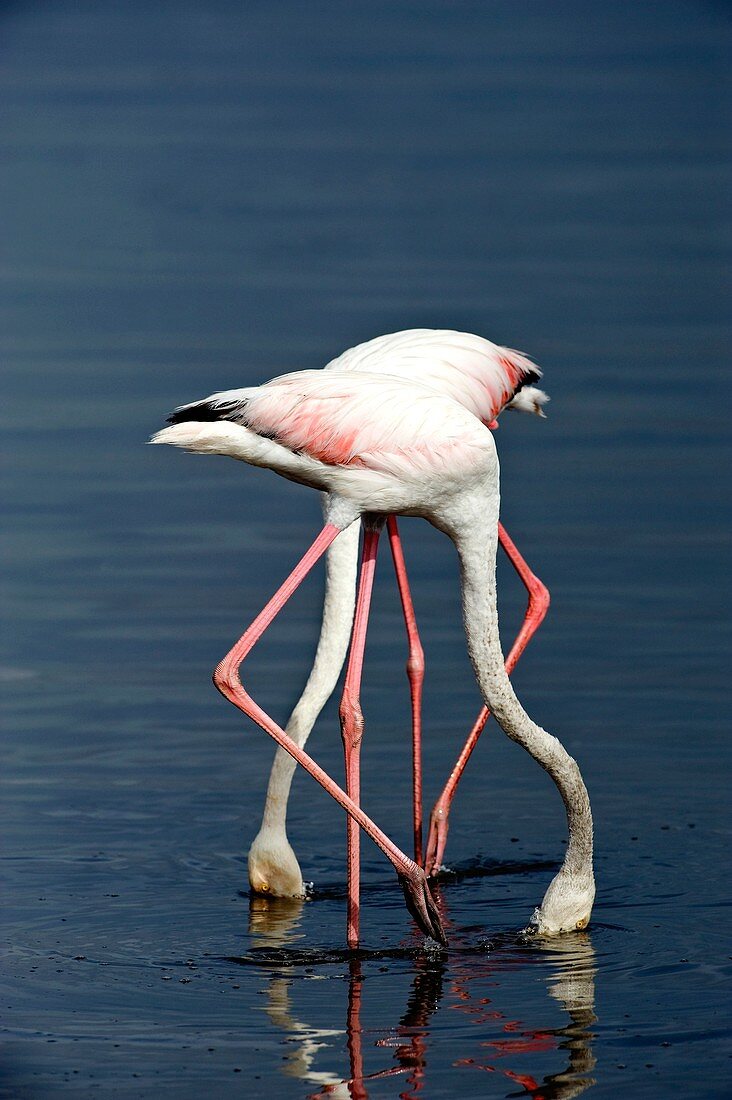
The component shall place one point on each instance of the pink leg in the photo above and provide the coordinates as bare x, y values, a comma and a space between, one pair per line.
226, 678
535, 612
352, 726
415, 673
356, 1087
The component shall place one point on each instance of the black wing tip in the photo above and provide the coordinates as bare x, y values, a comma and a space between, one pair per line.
528, 378
205, 412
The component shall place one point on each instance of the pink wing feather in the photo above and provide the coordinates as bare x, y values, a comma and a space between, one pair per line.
347, 419
483, 377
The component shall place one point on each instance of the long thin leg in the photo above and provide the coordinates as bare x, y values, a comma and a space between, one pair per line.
415, 673
536, 610
352, 726
226, 678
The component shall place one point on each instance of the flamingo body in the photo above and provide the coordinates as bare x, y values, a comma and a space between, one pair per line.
481, 376
377, 442
379, 445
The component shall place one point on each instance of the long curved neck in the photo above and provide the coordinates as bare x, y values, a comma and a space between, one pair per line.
335, 631
476, 544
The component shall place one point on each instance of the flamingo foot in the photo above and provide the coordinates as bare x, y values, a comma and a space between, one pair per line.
421, 904
437, 840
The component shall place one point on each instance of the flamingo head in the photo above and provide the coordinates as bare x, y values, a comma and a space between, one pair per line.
567, 905
273, 867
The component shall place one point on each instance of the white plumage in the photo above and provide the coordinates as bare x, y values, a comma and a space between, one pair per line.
396, 426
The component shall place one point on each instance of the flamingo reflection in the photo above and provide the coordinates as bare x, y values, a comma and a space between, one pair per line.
273, 925
459, 982
573, 964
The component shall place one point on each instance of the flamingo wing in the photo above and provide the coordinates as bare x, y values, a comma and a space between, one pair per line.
346, 419
482, 376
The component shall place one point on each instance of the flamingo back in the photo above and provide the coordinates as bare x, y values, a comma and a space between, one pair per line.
339, 418
481, 376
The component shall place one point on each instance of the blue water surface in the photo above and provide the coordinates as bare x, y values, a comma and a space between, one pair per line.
202, 195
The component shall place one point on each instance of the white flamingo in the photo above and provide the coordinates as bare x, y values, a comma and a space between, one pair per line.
380, 446
485, 378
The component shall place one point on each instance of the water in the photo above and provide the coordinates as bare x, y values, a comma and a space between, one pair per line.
200, 196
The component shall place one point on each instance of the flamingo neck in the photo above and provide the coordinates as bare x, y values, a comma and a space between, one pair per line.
341, 567
476, 544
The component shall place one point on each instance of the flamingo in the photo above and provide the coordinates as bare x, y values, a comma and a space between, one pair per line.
380, 446
485, 378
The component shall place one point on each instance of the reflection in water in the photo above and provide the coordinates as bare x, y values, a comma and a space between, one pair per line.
273, 923
574, 988
460, 977
572, 960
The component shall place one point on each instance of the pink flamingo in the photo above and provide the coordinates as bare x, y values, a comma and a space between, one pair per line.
485, 378
380, 446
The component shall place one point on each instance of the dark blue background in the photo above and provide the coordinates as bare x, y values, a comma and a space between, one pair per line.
199, 196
